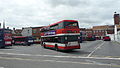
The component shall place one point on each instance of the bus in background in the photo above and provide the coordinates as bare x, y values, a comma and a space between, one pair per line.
5, 38
22, 40
37, 41
91, 38
63, 35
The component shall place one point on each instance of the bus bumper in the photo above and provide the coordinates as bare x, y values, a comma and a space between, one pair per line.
8, 45
69, 47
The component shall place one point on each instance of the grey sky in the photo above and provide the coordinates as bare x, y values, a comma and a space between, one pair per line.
25, 13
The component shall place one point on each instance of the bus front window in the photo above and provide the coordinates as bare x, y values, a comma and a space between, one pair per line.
71, 25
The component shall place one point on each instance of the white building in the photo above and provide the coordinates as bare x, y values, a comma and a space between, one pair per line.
27, 31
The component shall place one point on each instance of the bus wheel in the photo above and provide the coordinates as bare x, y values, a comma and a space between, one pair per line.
29, 44
2, 47
44, 45
56, 47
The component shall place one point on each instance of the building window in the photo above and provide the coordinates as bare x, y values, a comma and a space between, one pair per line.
96, 31
34, 31
28, 31
99, 30
102, 30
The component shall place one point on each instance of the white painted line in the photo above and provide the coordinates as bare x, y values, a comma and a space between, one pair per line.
56, 56
57, 61
1, 67
95, 49
117, 43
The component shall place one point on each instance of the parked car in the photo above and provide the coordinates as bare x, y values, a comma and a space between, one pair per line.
106, 38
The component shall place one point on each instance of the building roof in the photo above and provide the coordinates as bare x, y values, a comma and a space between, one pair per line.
103, 27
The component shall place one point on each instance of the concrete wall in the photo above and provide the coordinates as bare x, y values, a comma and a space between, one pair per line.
118, 36
115, 37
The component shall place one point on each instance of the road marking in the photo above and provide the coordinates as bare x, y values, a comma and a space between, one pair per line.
117, 43
54, 61
95, 49
106, 56
1, 67
56, 56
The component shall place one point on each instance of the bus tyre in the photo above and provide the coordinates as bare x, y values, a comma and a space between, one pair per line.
29, 44
2, 47
44, 45
56, 47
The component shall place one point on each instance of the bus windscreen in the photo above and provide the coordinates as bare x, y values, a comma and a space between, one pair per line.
71, 24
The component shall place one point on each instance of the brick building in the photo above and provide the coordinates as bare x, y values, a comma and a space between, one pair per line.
82, 31
105, 29
16, 32
98, 31
36, 32
117, 21
31, 31
89, 32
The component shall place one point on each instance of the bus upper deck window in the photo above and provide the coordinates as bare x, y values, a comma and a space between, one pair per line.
56, 37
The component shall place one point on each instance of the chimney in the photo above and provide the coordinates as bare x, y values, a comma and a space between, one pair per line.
3, 24
22, 28
116, 18
14, 29
7, 27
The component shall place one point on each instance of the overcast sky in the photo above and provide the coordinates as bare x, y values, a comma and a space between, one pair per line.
26, 13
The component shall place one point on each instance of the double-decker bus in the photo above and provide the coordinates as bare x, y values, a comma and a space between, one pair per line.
22, 40
63, 35
5, 38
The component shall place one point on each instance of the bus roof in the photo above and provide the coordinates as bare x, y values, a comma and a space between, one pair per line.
60, 22
63, 21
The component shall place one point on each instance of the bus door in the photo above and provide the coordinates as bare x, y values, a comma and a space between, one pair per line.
30, 40
1, 39
2, 44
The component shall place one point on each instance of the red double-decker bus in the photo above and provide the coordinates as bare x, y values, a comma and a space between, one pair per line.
5, 38
63, 35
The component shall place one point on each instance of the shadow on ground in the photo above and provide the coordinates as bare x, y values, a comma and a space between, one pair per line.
6, 48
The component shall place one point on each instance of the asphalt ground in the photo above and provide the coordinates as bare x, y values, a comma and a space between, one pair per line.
93, 54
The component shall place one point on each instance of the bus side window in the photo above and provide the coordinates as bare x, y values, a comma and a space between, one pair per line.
59, 40
60, 25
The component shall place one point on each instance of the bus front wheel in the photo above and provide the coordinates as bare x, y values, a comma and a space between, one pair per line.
56, 48
44, 45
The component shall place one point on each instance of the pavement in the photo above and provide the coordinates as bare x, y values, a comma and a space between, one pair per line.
93, 54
